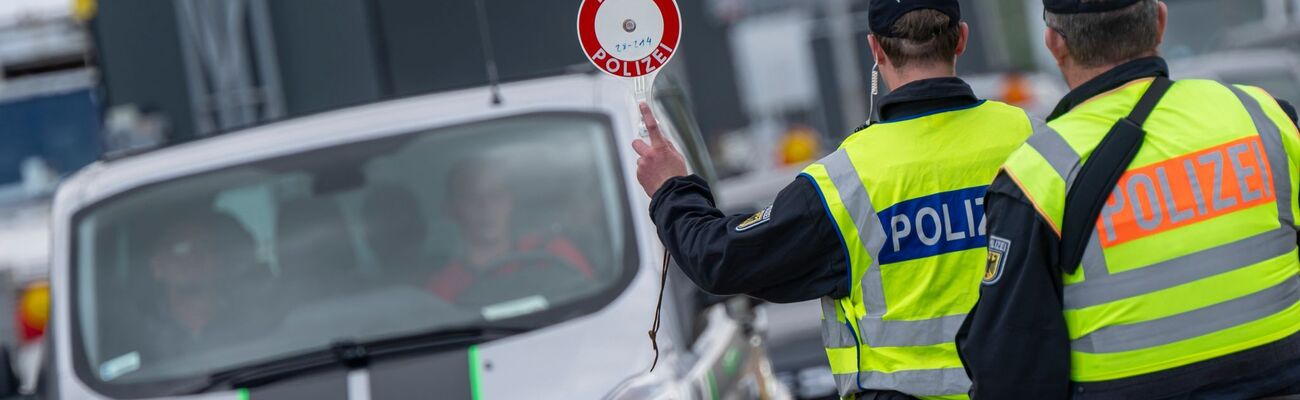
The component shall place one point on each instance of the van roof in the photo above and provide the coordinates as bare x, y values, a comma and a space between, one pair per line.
576, 92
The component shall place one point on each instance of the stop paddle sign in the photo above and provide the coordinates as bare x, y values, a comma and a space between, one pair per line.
629, 38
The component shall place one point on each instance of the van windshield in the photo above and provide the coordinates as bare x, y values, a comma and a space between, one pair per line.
516, 222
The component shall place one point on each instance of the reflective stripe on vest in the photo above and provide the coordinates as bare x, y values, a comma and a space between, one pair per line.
943, 382
873, 343
876, 331
1275, 151
1065, 162
1126, 319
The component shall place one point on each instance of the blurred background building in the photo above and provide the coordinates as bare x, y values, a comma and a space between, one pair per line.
773, 83
757, 70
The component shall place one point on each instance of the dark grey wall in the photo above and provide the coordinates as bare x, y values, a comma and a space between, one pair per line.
139, 57
533, 37
336, 53
327, 54
432, 45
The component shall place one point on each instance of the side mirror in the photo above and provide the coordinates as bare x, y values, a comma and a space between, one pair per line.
9, 386
742, 308
739, 307
706, 300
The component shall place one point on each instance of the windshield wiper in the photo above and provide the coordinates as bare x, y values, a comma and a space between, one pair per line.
349, 354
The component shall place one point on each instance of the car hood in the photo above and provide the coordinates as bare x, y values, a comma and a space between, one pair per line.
583, 358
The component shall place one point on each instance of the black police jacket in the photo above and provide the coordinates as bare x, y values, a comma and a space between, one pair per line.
1015, 344
792, 254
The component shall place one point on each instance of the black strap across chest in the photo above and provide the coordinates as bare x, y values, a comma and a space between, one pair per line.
1098, 177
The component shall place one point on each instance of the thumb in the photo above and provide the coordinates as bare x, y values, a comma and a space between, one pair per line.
641, 147
652, 127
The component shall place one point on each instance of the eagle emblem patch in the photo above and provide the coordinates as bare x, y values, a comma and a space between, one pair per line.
998, 248
755, 220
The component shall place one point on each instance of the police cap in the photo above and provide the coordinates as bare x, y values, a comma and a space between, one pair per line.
1084, 6
885, 12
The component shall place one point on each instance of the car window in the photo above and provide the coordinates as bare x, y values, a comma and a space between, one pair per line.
518, 221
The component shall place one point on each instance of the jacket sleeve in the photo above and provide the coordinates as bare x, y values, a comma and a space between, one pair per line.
1289, 110
1014, 343
787, 252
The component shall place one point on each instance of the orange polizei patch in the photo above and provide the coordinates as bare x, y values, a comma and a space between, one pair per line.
1188, 189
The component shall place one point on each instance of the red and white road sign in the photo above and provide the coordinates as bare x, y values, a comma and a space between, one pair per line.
629, 38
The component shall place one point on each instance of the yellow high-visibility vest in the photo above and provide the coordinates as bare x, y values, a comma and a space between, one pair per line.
907, 197
1194, 254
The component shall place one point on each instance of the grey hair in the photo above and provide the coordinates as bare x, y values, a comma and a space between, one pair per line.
1105, 38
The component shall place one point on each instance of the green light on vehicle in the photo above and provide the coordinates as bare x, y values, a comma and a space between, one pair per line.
473, 373
713, 387
730, 360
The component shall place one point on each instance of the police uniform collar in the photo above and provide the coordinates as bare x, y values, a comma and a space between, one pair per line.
925, 95
1145, 67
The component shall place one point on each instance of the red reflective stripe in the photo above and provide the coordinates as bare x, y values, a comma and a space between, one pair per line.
1143, 194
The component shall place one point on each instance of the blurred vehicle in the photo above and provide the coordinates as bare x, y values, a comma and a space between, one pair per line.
796, 349
748, 193
1037, 93
24, 241
1277, 71
794, 341
48, 128
435, 246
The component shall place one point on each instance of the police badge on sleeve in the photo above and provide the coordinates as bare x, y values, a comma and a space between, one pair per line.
998, 248
757, 219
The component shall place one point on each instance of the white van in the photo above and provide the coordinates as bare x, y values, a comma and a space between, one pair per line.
433, 247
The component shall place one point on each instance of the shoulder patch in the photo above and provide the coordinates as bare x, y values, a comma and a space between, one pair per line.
998, 248
757, 219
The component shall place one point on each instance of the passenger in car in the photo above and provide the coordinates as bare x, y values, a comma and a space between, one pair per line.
480, 203
196, 260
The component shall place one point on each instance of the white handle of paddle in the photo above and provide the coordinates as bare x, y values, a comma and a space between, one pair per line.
642, 86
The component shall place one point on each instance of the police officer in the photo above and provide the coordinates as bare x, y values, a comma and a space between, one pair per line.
1145, 246
888, 231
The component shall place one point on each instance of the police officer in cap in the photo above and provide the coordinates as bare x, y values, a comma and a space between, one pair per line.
887, 231
1144, 247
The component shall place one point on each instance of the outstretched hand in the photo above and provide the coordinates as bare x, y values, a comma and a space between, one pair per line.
660, 160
